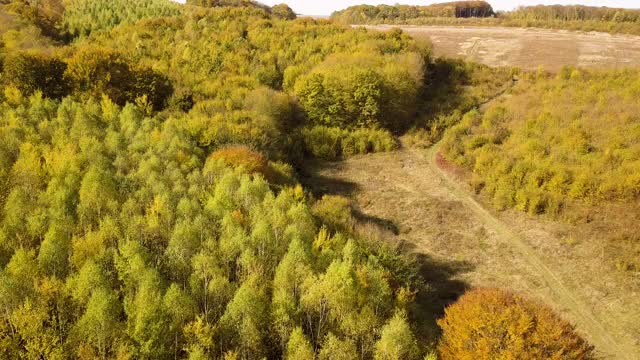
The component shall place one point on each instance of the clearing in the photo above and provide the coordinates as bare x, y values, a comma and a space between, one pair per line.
434, 212
529, 48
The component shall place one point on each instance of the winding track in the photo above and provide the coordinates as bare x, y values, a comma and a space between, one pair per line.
563, 296
441, 218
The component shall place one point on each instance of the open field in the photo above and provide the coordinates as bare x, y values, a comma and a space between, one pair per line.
529, 48
436, 215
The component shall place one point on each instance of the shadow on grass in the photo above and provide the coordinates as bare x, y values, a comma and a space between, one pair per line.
384, 224
440, 277
320, 184
442, 287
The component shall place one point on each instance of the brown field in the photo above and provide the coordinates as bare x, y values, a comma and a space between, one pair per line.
424, 204
530, 48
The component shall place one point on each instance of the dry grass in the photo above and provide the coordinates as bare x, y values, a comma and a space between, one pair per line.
529, 48
403, 189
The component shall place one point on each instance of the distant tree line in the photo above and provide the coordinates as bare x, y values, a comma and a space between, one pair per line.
574, 13
572, 17
382, 13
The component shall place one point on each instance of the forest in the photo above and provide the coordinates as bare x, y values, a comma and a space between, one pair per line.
150, 197
480, 13
368, 14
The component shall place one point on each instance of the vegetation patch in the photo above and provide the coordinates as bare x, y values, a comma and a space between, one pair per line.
491, 324
546, 145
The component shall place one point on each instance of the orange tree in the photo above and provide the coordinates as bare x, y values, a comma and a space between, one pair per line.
494, 324
237, 156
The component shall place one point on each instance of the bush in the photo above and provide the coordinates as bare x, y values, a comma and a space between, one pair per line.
334, 211
31, 72
545, 146
332, 143
494, 324
240, 156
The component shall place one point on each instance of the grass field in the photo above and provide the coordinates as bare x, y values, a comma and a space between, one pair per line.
529, 48
465, 245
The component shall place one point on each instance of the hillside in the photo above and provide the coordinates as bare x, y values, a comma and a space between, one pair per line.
155, 199
546, 149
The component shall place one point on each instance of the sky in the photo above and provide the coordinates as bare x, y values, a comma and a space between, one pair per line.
326, 7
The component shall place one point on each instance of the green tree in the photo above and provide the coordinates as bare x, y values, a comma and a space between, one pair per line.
182, 309
98, 195
245, 320
287, 288
397, 340
99, 326
148, 322
298, 347
333, 348
55, 249
96, 71
199, 339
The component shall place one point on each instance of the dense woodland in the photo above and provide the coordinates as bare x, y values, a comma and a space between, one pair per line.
148, 206
149, 197
573, 17
366, 14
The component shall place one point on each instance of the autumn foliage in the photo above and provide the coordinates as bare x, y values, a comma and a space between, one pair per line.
494, 324
237, 156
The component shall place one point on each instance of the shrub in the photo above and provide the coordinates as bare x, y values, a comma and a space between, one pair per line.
544, 146
31, 72
494, 324
240, 156
332, 143
334, 210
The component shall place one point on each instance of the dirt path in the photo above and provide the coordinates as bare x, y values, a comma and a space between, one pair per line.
439, 217
561, 294
529, 48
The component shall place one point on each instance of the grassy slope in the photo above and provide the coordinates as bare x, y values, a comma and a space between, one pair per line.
566, 146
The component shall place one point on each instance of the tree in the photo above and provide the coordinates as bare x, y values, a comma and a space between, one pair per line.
397, 341
245, 320
148, 323
492, 324
333, 348
299, 347
329, 299
283, 11
199, 339
182, 309
99, 326
95, 71
240, 156
53, 256
98, 195
287, 288
31, 72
